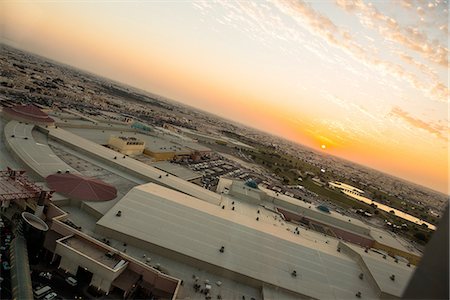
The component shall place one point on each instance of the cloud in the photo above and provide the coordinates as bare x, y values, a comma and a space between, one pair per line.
422, 67
271, 21
323, 27
435, 129
349, 106
407, 36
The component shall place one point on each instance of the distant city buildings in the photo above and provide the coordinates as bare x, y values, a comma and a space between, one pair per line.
345, 188
128, 222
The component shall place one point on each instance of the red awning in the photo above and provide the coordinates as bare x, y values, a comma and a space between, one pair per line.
28, 112
81, 188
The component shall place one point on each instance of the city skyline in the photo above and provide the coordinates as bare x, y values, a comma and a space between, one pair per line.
366, 82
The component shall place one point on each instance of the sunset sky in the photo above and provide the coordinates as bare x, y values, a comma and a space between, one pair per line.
369, 80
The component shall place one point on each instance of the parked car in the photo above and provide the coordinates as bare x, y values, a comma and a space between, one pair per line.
50, 296
72, 281
46, 275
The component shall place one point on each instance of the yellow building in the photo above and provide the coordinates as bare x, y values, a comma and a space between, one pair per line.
159, 156
126, 145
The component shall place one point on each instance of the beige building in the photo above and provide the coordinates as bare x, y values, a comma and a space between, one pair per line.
252, 252
103, 267
126, 145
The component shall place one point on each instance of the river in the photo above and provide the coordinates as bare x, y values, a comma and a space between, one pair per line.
386, 208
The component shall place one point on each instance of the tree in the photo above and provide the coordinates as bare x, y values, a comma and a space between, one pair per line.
421, 237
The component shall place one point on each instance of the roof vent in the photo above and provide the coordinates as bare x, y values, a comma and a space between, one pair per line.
358, 295
119, 213
392, 277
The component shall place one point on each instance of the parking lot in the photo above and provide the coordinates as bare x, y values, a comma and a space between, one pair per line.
215, 167
48, 275
5, 280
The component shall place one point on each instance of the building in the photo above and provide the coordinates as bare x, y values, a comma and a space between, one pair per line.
29, 114
213, 139
16, 188
253, 252
103, 267
345, 188
127, 145
384, 241
241, 236
179, 171
325, 221
34, 230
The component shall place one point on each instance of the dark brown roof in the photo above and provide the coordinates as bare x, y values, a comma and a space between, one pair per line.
81, 188
28, 112
126, 280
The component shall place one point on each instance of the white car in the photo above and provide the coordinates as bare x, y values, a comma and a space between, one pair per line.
47, 275
72, 281
50, 296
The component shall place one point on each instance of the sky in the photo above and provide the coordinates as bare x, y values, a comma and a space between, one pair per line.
362, 80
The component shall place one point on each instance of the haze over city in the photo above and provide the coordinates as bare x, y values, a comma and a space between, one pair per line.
364, 81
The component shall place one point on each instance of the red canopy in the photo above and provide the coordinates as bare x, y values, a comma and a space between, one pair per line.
29, 112
81, 188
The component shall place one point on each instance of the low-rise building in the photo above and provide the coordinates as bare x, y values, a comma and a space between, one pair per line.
126, 145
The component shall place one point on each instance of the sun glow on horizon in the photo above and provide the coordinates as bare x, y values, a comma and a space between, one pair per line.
355, 90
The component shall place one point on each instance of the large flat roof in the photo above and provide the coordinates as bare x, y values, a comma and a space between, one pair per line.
387, 238
152, 143
258, 250
131, 165
382, 269
308, 206
177, 170
90, 250
37, 156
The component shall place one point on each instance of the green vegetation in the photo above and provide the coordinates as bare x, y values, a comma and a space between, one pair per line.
420, 234
335, 196
289, 169
416, 211
285, 166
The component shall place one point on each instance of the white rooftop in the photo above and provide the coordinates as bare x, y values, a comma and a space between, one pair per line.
382, 269
258, 250
152, 143
37, 156
387, 238
131, 165
177, 170
304, 205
